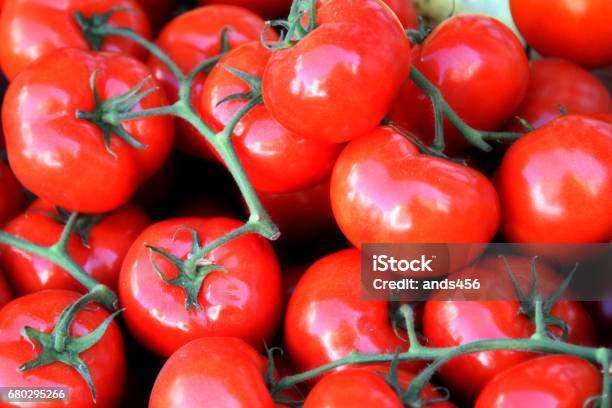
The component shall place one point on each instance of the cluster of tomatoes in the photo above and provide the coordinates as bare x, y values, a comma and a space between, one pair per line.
342, 147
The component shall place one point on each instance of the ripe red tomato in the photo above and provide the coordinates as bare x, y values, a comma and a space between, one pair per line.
555, 184
245, 301
453, 323
577, 30
212, 372
101, 257
405, 10
384, 191
192, 38
265, 8
474, 61
63, 159
275, 159
327, 317
6, 294
41, 310
364, 387
30, 29
549, 381
329, 86
555, 84
12, 198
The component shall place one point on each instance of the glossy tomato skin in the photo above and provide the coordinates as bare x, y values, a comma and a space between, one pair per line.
275, 159
265, 8
30, 29
12, 199
555, 84
63, 159
192, 38
555, 183
474, 61
453, 323
215, 372
106, 359
577, 30
245, 301
327, 318
331, 87
559, 381
109, 241
406, 11
384, 191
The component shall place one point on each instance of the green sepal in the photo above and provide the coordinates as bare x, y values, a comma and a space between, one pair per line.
91, 26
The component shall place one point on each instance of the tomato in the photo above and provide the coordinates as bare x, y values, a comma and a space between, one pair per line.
192, 38
555, 84
12, 198
384, 191
101, 256
105, 359
327, 317
364, 387
474, 61
230, 375
577, 30
265, 8
30, 29
329, 86
558, 381
275, 159
6, 294
405, 11
555, 184
453, 323
63, 159
158, 11
245, 301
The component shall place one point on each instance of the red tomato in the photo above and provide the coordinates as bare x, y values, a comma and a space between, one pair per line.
331, 87
405, 10
30, 29
384, 191
555, 184
12, 198
109, 241
364, 387
63, 159
245, 301
476, 62
105, 359
192, 38
577, 30
453, 323
557, 381
158, 11
265, 8
327, 317
275, 159
6, 294
555, 83
230, 375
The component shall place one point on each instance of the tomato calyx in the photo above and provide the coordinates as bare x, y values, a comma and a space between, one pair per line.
59, 346
82, 225
191, 273
293, 29
420, 34
109, 114
92, 27
254, 82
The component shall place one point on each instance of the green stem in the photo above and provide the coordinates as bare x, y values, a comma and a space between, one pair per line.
604, 357
161, 111
62, 328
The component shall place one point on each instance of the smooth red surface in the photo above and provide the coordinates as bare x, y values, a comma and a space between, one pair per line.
192, 38
453, 323
63, 159
12, 199
30, 29
275, 159
109, 241
405, 10
555, 83
265, 8
481, 69
555, 184
557, 381
327, 317
330, 86
384, 191
212, 372
577, 30
105, 359
245, 301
